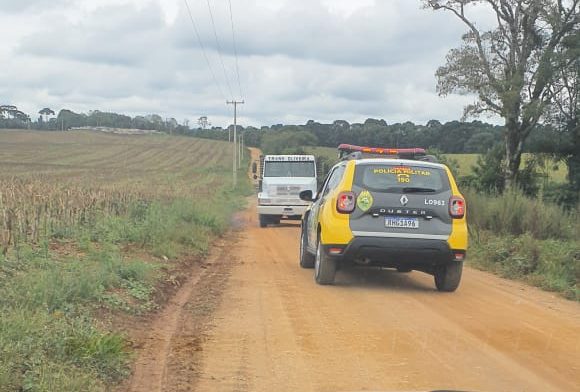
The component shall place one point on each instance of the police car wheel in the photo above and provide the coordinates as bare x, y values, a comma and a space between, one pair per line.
306, 259
448, 276
324, 267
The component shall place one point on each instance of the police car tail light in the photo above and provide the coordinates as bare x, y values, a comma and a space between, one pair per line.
346, 202
457, 207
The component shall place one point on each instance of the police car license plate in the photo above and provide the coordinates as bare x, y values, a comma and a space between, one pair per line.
401, 222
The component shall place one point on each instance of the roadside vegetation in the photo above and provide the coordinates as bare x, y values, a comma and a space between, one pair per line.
91, 226
519, 237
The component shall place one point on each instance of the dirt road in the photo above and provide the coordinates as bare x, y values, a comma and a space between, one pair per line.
274, 329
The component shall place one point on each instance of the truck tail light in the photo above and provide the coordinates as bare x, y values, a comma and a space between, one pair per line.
457, 207
346, 202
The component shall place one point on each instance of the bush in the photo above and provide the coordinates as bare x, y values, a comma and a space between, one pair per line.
513, 213
489, 174
562, 194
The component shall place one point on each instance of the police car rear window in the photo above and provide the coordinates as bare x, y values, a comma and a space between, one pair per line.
401, 178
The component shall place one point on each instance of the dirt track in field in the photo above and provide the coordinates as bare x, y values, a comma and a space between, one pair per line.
258, 322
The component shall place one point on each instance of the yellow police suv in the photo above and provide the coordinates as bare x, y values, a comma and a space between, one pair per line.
394, 208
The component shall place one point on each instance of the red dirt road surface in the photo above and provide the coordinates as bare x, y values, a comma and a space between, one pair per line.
256, 321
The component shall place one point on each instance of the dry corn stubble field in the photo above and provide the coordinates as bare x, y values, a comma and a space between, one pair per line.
59, 179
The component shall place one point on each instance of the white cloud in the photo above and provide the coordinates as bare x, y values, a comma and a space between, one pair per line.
299, 60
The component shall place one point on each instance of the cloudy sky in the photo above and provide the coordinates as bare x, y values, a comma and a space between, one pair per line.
298, 59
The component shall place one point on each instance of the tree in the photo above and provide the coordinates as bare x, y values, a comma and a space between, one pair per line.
565, 94
171, 124
45, 115
433, 124
203, 122
46, 112
68, 119
13, 118
287, 142
8, 111
509, 67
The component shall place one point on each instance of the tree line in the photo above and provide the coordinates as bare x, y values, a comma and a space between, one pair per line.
13, 118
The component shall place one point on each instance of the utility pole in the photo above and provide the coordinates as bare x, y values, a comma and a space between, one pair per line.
240, 149
235, 103
241, 157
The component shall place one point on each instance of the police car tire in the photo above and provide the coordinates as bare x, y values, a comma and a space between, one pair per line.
324, 267
306, 259
447, 277
263, 220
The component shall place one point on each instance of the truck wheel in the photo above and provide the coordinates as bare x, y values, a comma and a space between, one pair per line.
264, 220
324, 267
306, 259
448, 276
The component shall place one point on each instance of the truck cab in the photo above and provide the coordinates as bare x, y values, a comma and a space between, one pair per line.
282, 178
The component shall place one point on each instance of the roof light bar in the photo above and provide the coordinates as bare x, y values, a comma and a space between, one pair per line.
400, 152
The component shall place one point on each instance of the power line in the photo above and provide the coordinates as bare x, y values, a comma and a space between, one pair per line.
219, 49
235, 48
203, 49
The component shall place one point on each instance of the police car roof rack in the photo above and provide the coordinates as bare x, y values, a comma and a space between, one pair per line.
349, 152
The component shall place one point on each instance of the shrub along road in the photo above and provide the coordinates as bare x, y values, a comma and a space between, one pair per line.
260, 323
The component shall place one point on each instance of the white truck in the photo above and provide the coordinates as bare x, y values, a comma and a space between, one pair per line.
281, 179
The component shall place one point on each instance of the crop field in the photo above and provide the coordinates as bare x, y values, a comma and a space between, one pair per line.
92, 223
60, 179
554, 171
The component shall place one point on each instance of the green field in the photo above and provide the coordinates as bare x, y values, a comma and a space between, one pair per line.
91, 224
555, 171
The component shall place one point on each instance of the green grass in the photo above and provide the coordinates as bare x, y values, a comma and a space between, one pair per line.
329, 153
117, 226
551, 264
554, 171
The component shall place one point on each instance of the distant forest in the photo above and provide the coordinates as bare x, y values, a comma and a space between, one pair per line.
449, 137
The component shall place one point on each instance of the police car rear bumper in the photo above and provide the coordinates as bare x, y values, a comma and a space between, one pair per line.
394, 252
283, 210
